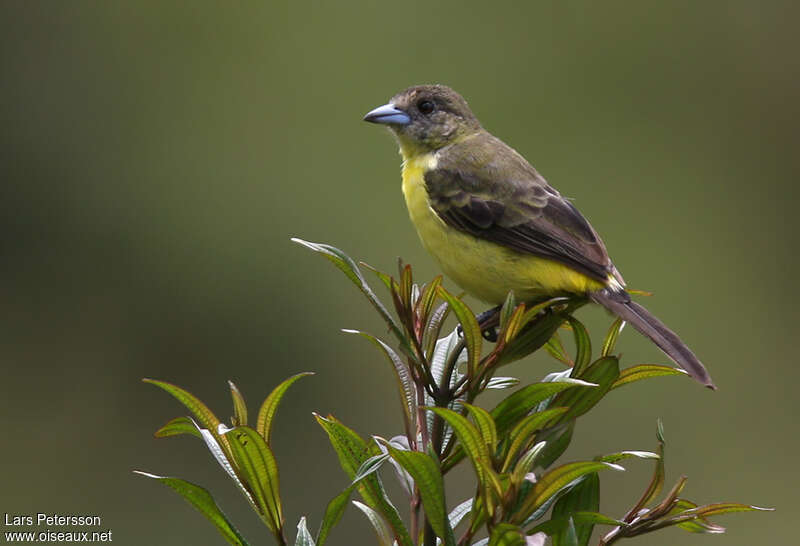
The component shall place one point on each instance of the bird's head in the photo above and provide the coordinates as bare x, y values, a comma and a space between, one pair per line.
425, 118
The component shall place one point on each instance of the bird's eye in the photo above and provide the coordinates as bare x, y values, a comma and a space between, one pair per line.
426, 107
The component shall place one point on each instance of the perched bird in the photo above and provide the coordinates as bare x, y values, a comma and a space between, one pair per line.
494, 224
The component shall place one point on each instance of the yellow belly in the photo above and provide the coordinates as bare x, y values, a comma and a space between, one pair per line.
483, 269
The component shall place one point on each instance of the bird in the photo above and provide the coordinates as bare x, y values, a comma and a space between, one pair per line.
495, 225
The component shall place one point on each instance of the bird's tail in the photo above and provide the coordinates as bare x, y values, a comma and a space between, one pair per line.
619, 303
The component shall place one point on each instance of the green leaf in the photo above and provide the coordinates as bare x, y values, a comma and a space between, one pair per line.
387, 280
405, 383
507, 310
610, 340
258, 467
616, 457
427, 299
303, 536
239, 407
699, 525
373, 464
226, 461
425, 471
353, 451
555, 525
538, 328
351, 270
716, 509
557, 441
643, 371
485, 423
333, 514
382, 530
521, 434
477, 452
200, 411
603, 372
506, 534
469, 326
554, 481
267, 412
202, 500
525, 463
694, 519
583, 347
656, 482
583, 497
179, 425
518, 404
556, 349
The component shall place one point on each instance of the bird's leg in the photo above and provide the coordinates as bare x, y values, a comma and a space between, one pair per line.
488, 321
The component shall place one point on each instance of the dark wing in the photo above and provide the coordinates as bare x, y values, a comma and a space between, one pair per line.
486, 189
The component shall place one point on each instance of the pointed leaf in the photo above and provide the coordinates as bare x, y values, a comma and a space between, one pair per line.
583, 497
556, 349
425, 471
525, 463
555, 525
610, 340
616, 457
351, 270
477, 451
352, 451
200, 411
202, 500
428, 297
469, 326
333, 514
179, 425
554, 481
373, 464
507, 310
485, 423
604, 371
303, 536
656, 482
538, 328
521, 434
643, 371
239, 407
583, 347
556, 443
699, 525
267, 412
518, 404
382, 530
226, 461
258, 467
405, 384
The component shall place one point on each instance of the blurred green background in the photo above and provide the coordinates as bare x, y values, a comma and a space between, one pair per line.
157, 158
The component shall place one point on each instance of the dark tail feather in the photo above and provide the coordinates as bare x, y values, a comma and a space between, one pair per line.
640, 318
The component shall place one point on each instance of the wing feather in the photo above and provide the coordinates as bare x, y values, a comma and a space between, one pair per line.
486, 189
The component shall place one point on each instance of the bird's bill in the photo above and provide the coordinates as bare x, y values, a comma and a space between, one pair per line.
388, 114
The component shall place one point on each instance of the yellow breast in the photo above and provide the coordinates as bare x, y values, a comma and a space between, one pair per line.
484, 269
